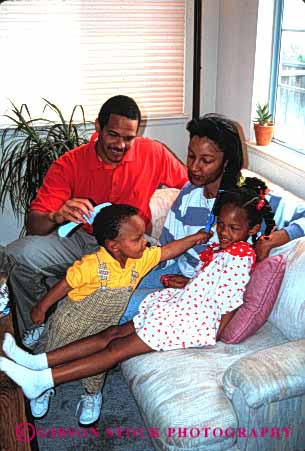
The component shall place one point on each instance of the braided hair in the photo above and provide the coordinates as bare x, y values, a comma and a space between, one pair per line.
251, 198
108, 222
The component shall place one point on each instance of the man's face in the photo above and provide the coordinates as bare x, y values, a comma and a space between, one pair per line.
116, 138
205, 163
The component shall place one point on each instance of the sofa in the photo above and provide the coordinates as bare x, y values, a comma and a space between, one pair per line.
246, 396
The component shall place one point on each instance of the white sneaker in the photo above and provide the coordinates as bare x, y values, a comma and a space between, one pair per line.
91, 408
31, 337
40, 405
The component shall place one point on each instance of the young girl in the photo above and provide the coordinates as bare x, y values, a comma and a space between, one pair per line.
169, 319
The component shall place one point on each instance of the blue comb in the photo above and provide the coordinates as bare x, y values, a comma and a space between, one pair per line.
211, 218
210, 223
65, 229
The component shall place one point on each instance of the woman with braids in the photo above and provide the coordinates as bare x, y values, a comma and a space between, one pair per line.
214, 162
167, 319
96, 291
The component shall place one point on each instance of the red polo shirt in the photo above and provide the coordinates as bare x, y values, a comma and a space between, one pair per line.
79, 173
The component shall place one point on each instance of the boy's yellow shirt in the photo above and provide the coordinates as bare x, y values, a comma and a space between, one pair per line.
84, 279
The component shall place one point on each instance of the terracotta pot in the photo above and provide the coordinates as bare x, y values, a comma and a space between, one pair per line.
263, 133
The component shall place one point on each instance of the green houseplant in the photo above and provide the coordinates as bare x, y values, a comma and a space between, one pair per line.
263, 125
30, 147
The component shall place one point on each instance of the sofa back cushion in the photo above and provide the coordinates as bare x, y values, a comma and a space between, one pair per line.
259, 298
288, 313
160, 204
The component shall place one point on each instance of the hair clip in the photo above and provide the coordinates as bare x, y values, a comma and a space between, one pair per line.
260, 204
241, 181
263, 193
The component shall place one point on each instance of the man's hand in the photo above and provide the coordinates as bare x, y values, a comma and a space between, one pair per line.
43, 223
72, 210
174, 281
265, 243
38, 314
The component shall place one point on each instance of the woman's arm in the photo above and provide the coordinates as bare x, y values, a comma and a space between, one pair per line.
265, 243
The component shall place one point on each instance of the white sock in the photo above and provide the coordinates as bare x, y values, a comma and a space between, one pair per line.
34, 362
33, 383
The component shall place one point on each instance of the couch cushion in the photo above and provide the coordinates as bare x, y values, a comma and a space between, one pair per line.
160, 204
259, 298
184, 389
288, 313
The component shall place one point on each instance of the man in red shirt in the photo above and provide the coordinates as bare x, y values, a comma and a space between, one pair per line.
115, 166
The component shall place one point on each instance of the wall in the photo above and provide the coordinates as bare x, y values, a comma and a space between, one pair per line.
236, 58
240, 61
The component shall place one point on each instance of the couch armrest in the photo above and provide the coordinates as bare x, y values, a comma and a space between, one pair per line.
270, 375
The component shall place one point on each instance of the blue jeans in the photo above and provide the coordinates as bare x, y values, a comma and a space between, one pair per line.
149, 284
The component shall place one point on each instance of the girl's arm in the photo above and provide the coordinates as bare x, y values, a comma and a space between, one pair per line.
225, 319
54, 295
171, 250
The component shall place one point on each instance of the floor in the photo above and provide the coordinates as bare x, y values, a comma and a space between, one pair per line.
120, 420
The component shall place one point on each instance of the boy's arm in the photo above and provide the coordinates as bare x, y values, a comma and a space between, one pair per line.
225, 319
54, 295
171, 250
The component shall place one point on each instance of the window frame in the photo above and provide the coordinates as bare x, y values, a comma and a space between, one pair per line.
275, 68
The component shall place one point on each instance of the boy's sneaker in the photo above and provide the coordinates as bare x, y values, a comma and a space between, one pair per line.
31, 337
40, 405
90, 408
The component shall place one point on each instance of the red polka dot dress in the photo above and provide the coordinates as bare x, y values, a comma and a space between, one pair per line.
173, 318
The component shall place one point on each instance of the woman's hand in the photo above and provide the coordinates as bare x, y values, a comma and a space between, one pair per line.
38, 315
265, 243
174, 281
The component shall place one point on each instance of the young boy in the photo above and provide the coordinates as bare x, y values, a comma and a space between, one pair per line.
97, 291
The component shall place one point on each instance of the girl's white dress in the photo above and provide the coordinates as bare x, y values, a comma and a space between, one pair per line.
185, 318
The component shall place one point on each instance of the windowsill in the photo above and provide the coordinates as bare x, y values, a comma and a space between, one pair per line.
280, 165
282, 155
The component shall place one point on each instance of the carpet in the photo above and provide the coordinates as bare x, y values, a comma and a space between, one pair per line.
119, 428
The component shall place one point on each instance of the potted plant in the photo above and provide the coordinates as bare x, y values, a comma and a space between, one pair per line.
263, 125
29, 148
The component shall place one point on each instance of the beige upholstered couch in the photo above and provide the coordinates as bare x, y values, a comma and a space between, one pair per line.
249, 396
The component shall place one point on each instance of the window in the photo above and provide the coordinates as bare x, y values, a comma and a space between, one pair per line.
85, 51
288, 74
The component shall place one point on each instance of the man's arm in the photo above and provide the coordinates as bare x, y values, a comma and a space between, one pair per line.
42, 223
174, 171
